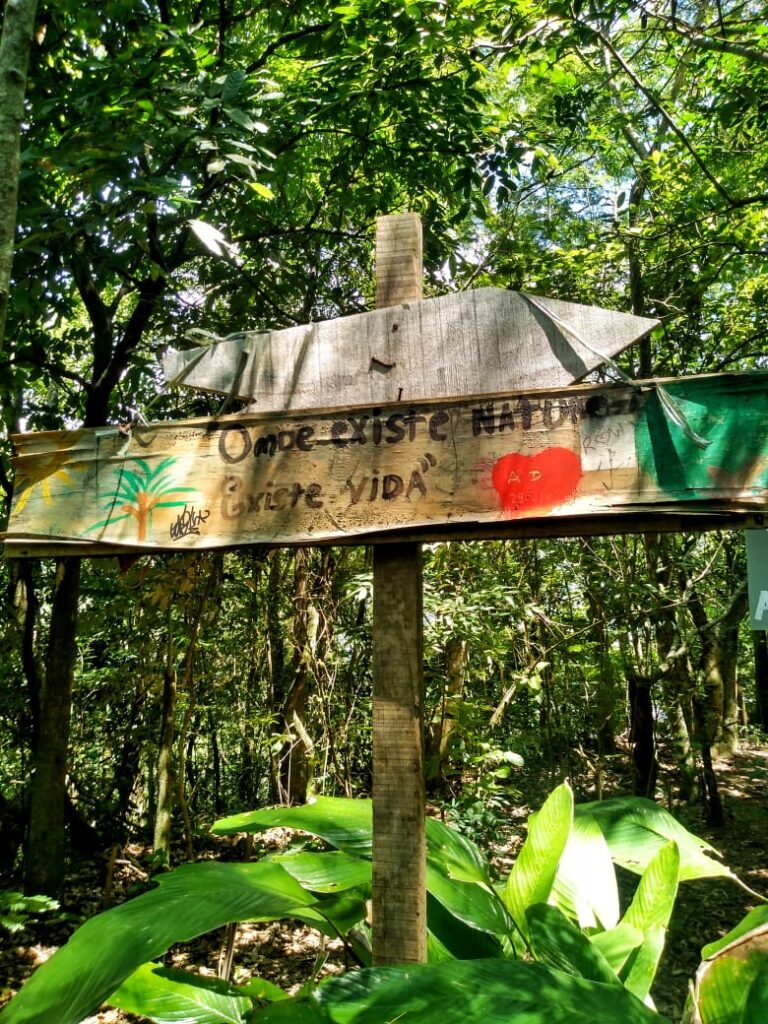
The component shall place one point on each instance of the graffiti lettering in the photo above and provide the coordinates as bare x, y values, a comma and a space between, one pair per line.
188, 522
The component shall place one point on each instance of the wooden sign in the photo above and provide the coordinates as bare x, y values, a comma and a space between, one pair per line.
527, 463
477, 342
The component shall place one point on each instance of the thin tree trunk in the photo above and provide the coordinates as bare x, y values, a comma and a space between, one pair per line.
295, 767
438, 737
45, 862
216, 763
760, 647
164, 771
15, 46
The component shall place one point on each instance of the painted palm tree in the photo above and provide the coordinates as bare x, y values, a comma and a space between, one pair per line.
139, 492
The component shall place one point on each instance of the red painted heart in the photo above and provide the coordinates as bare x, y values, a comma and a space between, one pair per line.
539, 481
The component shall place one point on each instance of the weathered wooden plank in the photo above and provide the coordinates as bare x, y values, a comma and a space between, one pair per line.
477, 342
517, 463
398, 886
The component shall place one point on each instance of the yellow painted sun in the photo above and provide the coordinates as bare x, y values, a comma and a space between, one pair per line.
43, 475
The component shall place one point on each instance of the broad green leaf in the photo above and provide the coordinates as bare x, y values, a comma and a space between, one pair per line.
332, 871
454, 854
105, 950
617, 944
462, 991
756, 1006
449, 937
457, 874
732, 982
649, 912
732, 989
585, 884
636, 829
560, 944
654, 897
477, 905
639, 972
530, 880
169, 996
345, 824
334, 915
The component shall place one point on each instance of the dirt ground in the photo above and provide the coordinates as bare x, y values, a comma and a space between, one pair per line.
289, 955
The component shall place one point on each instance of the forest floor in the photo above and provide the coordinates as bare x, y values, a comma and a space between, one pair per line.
289, 955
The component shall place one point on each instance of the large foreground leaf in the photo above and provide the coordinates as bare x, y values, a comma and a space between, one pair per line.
559, 943
345, 824
649, 913
731, 984
533, 873
585, 884
186, 902
457, 873
465, 992
348, 825
636, 829
168, 996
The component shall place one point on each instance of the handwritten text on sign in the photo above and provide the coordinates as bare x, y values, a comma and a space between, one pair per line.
266, 479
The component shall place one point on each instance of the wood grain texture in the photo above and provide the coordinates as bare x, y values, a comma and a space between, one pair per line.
398, 889
478, 342
437, 469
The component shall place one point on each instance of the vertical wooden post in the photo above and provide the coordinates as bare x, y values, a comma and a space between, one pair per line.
399, 846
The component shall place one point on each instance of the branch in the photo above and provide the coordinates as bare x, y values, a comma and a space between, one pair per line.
97, 310
289, 37
704, 42
656, 102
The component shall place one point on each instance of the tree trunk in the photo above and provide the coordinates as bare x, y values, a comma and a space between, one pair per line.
295, 756
760, 647
439, 735
45, 862
15, 45
642, 736
164, 770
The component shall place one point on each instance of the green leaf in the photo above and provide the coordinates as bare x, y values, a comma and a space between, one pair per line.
558, 943
262, 190
636, 829
105, 950
334, 915
169, 996
454, 854
617, 944
450, 937
473, 903
530, 880
345, 824
756, 1006
333, 871
491, 991
734, 991
585, 884
649, 912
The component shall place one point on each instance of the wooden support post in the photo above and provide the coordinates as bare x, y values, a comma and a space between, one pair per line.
399, 846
